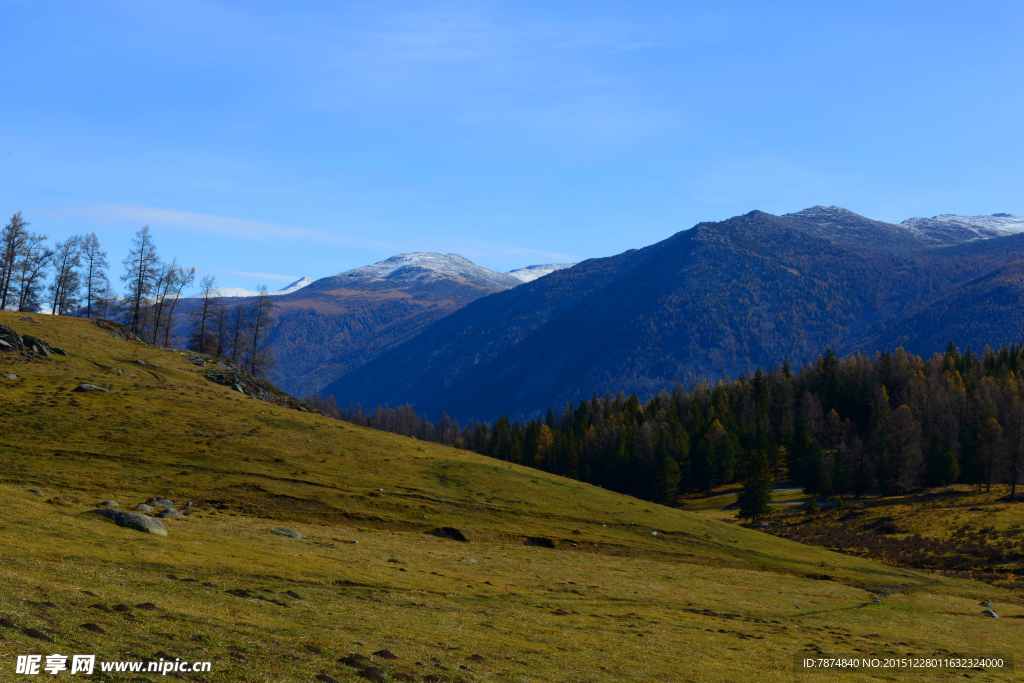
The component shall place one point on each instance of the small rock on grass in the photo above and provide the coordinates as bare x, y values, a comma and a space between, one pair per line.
290, 533
170, 512
90, 387
990, 613
162, 503
8, 375
36, 491
93, 627
142, 507
109, 503
131, 520
385, 654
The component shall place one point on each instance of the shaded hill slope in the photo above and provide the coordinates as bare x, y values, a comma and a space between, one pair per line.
708, 302
610, 601
985, 311
335, 324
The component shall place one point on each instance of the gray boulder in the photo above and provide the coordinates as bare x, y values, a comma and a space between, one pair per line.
37, 346
170, 512
162, 503
90, 387
36, 491
131, 520
290, 533
59, 352
10, 376
990, 613
109, 503
142, 507
9, 339
29, 319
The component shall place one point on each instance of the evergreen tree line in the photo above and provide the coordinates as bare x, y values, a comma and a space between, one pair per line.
71, 278
861, 425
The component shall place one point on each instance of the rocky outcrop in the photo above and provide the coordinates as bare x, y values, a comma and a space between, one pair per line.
37, 346
232, 375
119, 331
10, 340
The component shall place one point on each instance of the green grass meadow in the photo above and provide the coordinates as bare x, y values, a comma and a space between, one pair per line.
699, 600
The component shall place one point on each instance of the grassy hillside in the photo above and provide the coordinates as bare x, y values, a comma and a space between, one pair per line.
611, 601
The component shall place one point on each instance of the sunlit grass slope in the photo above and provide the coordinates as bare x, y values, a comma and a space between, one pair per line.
701, 600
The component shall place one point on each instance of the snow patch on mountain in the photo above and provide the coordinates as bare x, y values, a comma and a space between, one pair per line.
531, 273
966, 228
240, 292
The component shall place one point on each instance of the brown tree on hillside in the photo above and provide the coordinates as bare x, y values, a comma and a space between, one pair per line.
12, 243
904, 435
95, 265
141, 270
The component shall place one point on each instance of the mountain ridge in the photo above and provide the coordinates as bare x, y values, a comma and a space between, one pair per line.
705, 303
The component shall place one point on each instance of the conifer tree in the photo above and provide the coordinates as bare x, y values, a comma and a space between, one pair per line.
94, 264
141, 269
668, 480
12, 244
756, 497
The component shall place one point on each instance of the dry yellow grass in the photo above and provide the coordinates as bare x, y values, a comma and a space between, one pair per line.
702, 600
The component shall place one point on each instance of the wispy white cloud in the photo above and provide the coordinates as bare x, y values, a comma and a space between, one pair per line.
226, 225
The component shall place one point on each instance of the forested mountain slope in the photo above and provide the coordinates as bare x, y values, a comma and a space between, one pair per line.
705, 303
986, 311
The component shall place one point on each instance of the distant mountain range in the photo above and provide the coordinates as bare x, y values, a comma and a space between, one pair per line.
239, 292
419, 267
708, 302
326, 327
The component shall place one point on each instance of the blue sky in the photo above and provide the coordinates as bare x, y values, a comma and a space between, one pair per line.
264, 141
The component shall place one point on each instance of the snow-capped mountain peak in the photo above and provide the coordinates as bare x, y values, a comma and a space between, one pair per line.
420, 268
